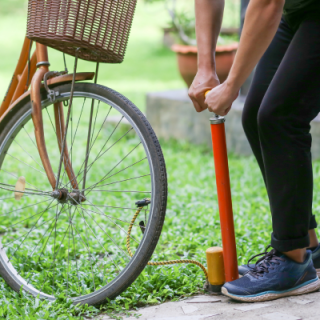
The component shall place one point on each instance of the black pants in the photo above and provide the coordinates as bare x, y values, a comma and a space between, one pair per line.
284, 97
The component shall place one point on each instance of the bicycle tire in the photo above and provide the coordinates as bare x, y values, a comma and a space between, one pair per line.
153, 229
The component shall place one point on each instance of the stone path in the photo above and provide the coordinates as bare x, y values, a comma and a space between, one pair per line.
208, 307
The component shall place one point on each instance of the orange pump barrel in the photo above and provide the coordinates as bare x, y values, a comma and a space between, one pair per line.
224, 197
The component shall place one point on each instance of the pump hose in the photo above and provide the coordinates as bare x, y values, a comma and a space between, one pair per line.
161, 263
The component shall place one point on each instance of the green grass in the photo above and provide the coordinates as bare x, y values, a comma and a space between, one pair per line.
148, 65
191, 226
192, 220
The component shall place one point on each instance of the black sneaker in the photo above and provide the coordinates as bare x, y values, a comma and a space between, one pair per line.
315, 258
275, 276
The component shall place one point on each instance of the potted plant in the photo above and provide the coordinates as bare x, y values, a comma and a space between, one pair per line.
182, 27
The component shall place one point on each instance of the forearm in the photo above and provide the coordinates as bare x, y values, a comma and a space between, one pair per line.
261, 23
209, 15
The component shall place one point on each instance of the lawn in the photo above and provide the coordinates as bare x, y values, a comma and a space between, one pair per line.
192, 220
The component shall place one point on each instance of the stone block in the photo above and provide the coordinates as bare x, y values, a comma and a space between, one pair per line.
172, 115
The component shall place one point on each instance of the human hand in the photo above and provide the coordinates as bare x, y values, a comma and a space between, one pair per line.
219, 100
203, 81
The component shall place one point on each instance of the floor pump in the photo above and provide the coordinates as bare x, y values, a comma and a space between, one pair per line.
222, 262
222, 265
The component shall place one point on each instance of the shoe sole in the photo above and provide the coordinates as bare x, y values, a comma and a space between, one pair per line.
318, 274
310, 287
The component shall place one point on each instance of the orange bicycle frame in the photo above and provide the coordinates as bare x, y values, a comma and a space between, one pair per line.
26, 74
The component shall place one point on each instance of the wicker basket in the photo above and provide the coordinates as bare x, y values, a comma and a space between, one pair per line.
99, 27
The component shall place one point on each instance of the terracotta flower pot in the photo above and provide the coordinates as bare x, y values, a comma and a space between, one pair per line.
187, 61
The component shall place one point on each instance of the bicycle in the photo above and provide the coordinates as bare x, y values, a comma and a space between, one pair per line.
75, 157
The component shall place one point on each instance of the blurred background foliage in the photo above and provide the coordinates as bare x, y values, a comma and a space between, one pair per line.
148, 65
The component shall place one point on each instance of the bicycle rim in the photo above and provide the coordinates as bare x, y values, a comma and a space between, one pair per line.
70, 248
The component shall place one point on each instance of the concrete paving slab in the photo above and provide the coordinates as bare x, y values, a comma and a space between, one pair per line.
300, 301
304, 307
253, 306
203, 299
280, 316
207, 317
189, 309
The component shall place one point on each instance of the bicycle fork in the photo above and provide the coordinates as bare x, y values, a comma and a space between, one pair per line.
43, 68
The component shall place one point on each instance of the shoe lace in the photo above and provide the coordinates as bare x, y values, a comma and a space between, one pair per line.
265, 263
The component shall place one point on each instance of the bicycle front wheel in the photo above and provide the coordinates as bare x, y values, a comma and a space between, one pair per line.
53, 246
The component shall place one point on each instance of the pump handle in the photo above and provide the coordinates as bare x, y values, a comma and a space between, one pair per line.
205, 94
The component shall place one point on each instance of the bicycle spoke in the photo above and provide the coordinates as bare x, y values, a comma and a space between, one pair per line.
103, 214
106, 175
97, 205
28, 189
72, 143
105, 178
32, 228
53, 127
111, 221
14, 175
24, 192
99, 156
104, 121
125, 191
89, 253
15, 224
65, 243
68, 260
60, 139
7, 244
120, 249
79, 172
56, 254
110, 257
55, 236
88, 145
42, 172
28, 154
71, 132
94, 124
28, 206
125, 253
111, 136
67, 120
107, 184
44, 246
75, 133
33, 142
75, 259
5, 198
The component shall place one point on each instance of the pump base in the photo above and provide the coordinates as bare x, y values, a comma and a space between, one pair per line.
212, 289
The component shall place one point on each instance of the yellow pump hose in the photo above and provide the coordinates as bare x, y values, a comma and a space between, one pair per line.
161, 263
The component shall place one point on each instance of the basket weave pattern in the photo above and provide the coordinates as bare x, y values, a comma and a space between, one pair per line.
100, 28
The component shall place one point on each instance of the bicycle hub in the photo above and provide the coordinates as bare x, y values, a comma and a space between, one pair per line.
64, 196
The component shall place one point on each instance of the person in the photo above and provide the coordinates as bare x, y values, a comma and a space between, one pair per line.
282, 39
